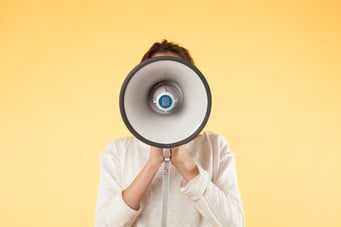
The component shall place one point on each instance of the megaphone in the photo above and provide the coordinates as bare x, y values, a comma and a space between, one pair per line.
165, 101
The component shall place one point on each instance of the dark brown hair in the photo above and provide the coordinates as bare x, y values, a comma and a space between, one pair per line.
164, 47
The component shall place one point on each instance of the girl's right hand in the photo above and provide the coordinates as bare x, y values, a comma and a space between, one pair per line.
156, 156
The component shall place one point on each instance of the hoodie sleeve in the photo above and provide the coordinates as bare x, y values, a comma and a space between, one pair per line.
111, 209
218, 200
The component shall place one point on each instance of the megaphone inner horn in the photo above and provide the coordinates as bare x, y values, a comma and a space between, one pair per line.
166, 97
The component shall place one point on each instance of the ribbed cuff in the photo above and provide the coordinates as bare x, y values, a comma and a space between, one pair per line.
196, 187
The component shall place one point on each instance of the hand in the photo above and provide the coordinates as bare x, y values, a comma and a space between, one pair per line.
179, 155
155, 156
184, 163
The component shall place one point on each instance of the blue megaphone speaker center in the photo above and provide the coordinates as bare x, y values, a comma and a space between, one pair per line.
165, 101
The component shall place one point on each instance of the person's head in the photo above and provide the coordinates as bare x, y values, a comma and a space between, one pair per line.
166, 48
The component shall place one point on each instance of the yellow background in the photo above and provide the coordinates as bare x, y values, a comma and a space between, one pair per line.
274, 71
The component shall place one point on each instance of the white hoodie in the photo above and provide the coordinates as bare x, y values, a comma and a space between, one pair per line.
210, 199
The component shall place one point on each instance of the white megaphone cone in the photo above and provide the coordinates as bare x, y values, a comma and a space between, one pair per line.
165, 101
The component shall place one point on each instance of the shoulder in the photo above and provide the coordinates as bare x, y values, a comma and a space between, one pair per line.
128, 145
215, 140
218, 145
118, 145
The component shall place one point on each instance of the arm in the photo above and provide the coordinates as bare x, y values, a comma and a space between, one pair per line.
217, 200
134, 193
117, 206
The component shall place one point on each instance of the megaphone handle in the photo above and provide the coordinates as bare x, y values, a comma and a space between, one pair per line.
165, 185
